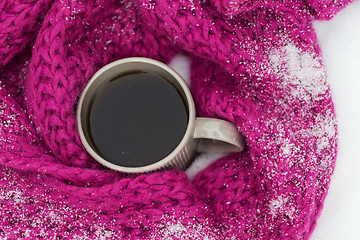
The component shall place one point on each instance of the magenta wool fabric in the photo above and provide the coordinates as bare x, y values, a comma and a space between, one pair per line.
254, 63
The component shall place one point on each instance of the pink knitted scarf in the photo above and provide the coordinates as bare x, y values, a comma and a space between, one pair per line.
254, 63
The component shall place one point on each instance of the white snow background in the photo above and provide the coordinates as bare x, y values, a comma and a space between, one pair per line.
339, 39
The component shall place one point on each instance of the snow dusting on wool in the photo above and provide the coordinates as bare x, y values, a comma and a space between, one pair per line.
278, 205
45, 214
171, 228
302, 77
301, 72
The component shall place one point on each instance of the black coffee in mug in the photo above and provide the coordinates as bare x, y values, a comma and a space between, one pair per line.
136, 119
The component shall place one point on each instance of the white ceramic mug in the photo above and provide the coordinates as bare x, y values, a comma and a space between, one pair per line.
201, 135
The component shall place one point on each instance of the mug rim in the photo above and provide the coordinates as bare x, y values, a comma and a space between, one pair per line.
161, 162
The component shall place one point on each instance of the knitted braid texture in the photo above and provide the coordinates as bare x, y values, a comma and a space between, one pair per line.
254, 63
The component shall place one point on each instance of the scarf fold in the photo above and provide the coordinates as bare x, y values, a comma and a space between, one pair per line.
254, 63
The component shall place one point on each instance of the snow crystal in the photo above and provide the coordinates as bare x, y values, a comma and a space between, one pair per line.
149, 5
192, 8
300, 72
171, 228
12, 195
176, 230
324, 130
233, 6
278, 206
275, 205
302, 78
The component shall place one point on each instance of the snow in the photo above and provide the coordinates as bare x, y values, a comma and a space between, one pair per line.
201, 163
181, 64
278, 206
173, 228
302, 74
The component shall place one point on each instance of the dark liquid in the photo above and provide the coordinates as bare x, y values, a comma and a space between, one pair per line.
137, 119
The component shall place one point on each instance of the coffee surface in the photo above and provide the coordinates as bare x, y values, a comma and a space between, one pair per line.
137, 119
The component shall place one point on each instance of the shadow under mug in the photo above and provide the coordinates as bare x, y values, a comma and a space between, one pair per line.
201, 134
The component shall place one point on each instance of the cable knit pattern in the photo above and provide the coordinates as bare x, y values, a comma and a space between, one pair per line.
254, 63
18, 24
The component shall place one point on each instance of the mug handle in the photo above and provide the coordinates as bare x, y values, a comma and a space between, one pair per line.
216, 135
